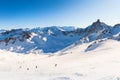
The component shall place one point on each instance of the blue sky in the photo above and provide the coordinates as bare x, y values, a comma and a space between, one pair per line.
41, 13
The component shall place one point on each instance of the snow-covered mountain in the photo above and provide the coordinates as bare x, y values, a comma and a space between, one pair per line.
91, 53
53, 39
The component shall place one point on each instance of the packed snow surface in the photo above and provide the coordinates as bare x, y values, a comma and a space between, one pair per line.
100, 63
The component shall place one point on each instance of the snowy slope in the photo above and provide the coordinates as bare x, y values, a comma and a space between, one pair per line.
102, 63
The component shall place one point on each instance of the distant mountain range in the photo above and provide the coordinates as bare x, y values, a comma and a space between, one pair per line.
53, 39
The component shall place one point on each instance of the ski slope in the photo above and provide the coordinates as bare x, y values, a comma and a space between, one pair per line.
101, 63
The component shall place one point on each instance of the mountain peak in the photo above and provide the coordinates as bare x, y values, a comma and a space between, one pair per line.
97, 27
97, 23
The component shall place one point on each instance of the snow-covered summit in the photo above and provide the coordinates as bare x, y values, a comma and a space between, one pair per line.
54, 38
